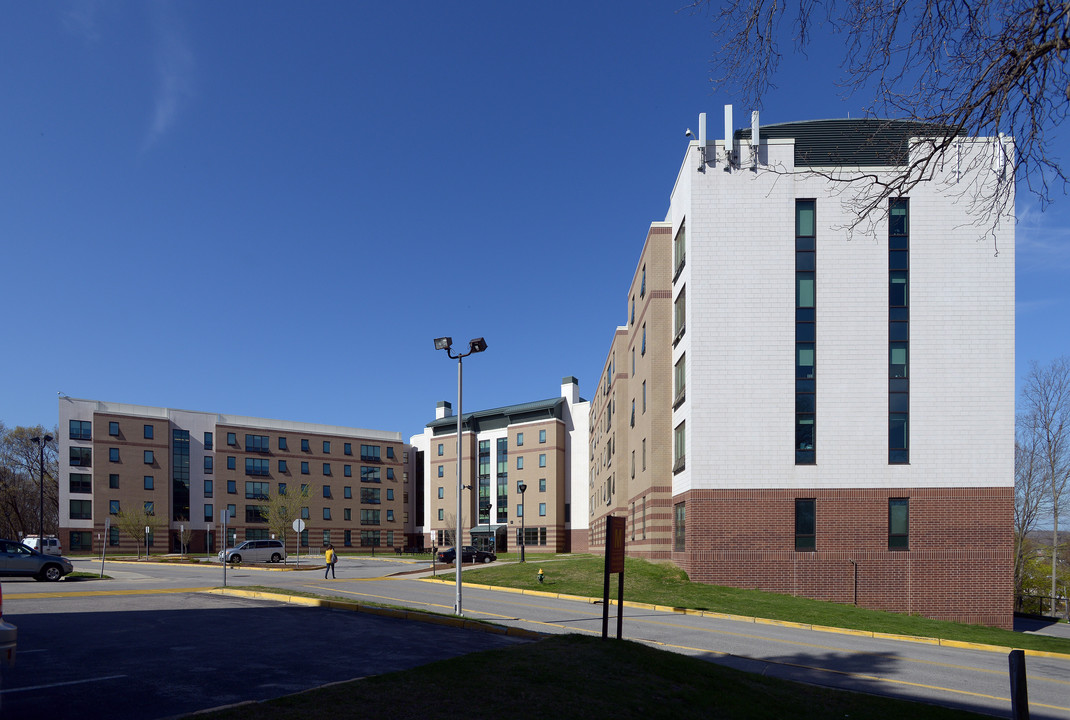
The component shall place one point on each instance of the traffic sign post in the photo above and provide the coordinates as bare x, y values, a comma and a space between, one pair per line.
614, 564
299, 527
104, 544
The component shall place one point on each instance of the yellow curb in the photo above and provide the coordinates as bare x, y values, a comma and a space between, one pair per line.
972, 646
541, 593
727, 616
783, 623
900, 638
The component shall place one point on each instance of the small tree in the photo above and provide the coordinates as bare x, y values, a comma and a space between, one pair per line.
282, 509
134, 522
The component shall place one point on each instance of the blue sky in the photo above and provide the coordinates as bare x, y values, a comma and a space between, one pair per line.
272, 208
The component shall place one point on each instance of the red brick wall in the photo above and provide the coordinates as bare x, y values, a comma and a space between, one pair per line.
959, 565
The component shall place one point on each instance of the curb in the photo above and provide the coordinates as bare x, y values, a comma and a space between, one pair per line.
959, 644
414, 615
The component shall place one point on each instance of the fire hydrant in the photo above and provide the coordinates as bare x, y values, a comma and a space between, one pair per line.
540, 576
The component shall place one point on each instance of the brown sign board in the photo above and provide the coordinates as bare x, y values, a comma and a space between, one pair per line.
615, 544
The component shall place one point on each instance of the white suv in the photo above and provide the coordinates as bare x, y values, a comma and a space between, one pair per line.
255, 551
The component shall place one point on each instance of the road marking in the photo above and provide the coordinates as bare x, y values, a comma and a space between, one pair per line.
60, 684
104, 593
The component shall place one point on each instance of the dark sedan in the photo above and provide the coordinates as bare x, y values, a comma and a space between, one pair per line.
468, 555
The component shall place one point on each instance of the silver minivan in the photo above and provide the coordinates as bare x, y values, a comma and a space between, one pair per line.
255, 551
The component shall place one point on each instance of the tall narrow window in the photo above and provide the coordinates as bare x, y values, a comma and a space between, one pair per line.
679, 534
679, 315
679, 381
805, 332
679, 447
679, 245
898, 331
898, 524
805, 524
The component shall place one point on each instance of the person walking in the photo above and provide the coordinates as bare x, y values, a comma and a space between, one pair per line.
332, 558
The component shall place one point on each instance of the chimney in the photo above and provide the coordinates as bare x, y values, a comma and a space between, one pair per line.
443, 410
570, 389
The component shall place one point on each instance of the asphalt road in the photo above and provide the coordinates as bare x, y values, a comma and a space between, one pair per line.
962, 678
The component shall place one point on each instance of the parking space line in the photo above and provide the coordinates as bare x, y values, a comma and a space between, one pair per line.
61, 684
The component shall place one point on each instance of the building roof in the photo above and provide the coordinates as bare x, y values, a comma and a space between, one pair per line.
501, 417
867, 141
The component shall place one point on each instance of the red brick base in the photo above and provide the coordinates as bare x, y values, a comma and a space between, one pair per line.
959, 565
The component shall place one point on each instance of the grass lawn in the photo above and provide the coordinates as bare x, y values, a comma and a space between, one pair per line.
571, 676
665, 584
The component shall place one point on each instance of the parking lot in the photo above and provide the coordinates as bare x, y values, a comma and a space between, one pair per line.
136, 656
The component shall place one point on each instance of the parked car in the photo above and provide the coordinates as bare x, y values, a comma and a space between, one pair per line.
255, 551
468, 554
18, 560
49, 546
9, 635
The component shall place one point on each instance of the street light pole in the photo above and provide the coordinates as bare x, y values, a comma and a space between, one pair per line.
41, 511
522, 487
474, 346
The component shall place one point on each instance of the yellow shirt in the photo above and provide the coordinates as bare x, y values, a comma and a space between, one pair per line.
330, 556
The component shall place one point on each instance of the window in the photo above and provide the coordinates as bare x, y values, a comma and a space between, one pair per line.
390, 515
898, 523
255, 514
326, 491
81, 509
81, 430
208, 441
113, 536
370, 474
326, 468
81, 483
390, 452
150, 482
370, 538
113, 455
113, 482
442, 471
208, 464
899, 331
370, 496
679, 448
305, 447
347, 514
369, 517
148, 432
347, 492
642, 284
679, 536
389, 493
519, 439
631, 421
805, 331
631, 319
679, 381
282, 444
542, 484
542, 436
642, 346
113, 429
232, 512
326, 446
208, 512
150, 508
256, 490
390, 473
282, 466
805, 524
304, 513
208, 488
304, 468
679, 247
113, 507
520, 510
347, 448
679, 314
347, 470
644, 453
441, 449
326, 514
520, 463
542, 509
282, 489
440, 514
370, 453
542, 460
232, 487
257, 443
149, 457
232, 439
441, 492
232, 462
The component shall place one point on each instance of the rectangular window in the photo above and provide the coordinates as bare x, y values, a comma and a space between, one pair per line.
257, 443
208, 441
370, 474
542, 436
442, 471
149, 457
81, 430
370, 453
347, 492
326, 468
898, 523
389, 493
150, 482
679, 447
305, 447
232, 487
679, 248
113, 455
256, 490
441, 492
441, 449
304, 513
232, 439
805, 331
209, 463
440, 511
326, 513
542, 484
81, 509
113, 481
208, 512
113, 507
326, 446
805, 524
81, 483
520, 510
390, 473
282, 489
326, 491
232, 512
542, 509
642, 284
232, 462
644, 397
255, 514
542, 460
519, 439
148, 432
520, 463
679, 534
898, 331
113, 429
347, 448
257, 466
390, 452
282, 444
642, 346
347, 470
679, 381
150, 508
304, 468
370, 496
282, 466
208, 488
369, 517
347, 514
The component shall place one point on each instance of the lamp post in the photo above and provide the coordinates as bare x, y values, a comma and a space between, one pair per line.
474, 346
41, 512
522, 487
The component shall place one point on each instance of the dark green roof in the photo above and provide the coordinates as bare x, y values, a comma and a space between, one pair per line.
501, 417
849, 142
